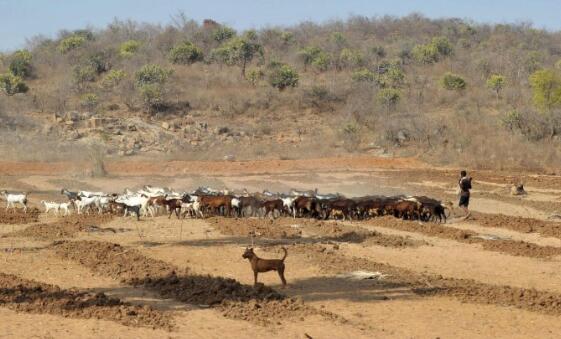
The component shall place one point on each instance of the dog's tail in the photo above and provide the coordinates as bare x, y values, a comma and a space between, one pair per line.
285, 253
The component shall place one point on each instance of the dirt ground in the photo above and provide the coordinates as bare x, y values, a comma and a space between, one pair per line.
493, 275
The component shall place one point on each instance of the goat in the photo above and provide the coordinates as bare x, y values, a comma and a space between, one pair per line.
72, 196
85, 202
49, 205
15, 198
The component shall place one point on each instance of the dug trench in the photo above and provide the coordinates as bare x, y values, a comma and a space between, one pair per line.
327, 258
259, 304
510, 247
30, 296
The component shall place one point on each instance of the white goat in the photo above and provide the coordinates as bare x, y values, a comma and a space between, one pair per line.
15, 198
50, 205
89, 194
85, 202
65, 206
193, 208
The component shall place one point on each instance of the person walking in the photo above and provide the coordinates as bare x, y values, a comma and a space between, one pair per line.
464, 187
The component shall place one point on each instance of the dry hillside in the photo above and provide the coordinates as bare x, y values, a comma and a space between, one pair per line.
449, 91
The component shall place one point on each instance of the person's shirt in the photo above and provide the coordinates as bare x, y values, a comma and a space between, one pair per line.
465, 186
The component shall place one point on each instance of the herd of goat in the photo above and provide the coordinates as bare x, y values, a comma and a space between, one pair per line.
151, 201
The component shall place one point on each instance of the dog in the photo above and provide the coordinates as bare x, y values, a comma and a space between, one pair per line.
259, 265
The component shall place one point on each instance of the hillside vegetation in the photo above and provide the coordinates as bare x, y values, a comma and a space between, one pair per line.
449, 91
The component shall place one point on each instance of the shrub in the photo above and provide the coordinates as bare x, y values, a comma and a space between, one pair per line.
390, 74
363, 75
113, 78
282, 76
442, 45
425, 54
153, 96
129, 48
389, 97
99, 62
20, 64
185, 53
70, 43
452, 82
152, 74
89, 101
350, 58
314, 56
496, 83
546, 89
223, 33
321, 62
255, 75
12, 84
82, 74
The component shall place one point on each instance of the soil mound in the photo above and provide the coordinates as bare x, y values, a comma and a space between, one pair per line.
511, 247
65, 227
16, 216
131, 267
519, 224
466, 290
34, 297
261, 228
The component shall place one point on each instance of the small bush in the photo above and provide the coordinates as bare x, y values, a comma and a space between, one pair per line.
425, 54
363, 75
20, 65
350, 58
452, 82
389, 97
82, 74
496, 83
99, 62
152, 74
153, 96
223, 33
282, 76
185, 53
129, 48
70, 43
12, 84
255, 75
113, 78
89, 101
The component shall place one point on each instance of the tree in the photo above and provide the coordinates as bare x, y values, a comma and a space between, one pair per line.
12, 84
496, 83
70, 43
223, 33
315, 57
255, 75
282, 76
389, 97
20, 64
238, 51
452, 82
442, 45
546, 89
185, 53
129, 48
390, 74
150, 83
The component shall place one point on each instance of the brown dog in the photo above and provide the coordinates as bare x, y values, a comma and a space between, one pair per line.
259, 265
